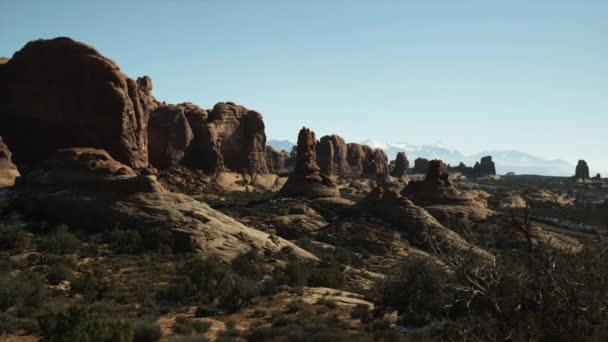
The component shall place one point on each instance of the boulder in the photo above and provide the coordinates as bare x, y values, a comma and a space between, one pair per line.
421, 165
8, 170
401, 165
60, 93
582, 170
307, 179
169, 135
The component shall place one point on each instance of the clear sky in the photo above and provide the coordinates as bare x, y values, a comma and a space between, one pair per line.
473, 74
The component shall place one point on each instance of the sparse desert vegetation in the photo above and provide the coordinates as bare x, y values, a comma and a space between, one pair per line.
127, 218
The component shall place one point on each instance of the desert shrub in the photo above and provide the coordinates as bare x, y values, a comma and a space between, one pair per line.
540, 294
361, 312
58, 273
179, 290
188, 326
344, 256
189, 338
27, 289
146, 332
126, 241
418, 293
78, 323
323, 274
209, 279
305, 243
12, 238
327, 274
158, 240
303, 327
296, 273
248, 265
61, 241
86, 285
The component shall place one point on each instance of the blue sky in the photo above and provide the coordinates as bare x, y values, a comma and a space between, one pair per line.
473, 74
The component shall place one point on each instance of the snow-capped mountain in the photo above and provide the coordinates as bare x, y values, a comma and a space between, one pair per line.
505, 160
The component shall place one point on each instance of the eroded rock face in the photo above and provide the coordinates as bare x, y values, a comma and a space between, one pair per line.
278, 162
332, 156
337, 158
61, 93
421, 165
307, 179
401, 165
582, 170
169, 135
230, 138
484, 167
8, 170
239, 136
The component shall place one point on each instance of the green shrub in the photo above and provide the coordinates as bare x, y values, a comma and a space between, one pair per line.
187, 326
61, 241
86, 285
78, 324
179, 290
126, 241
58, 273
146, 332
158, 240
12, 238
248, 265
189, 338
361, 312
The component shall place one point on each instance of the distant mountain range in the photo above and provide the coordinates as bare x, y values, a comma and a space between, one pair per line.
505, 160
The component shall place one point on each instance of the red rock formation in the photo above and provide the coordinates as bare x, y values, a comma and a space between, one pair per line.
61, 93
307, 179
230, 138
376, 162
169, 135
336, 158
278, 162
401, 165
582, 170
88, 169
484, 167
436, 188
332, 156
8, 170
421, 165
